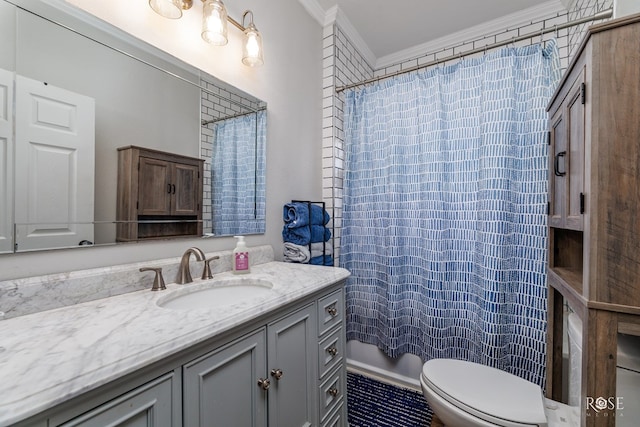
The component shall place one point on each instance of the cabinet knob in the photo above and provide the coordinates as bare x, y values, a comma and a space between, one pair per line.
332, 351
277, 373
333, 392
264, 383
333, 312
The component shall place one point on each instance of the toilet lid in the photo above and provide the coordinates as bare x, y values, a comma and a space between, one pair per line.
485, 392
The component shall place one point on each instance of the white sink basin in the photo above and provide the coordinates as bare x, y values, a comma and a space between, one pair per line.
217, 293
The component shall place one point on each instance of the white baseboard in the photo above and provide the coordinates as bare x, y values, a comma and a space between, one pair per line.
384, 376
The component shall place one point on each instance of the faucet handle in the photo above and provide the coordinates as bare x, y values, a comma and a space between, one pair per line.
206, 271
158, 281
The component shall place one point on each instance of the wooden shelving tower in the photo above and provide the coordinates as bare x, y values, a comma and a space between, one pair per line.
594, 209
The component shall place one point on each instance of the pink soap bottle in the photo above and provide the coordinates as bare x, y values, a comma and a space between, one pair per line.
240, 259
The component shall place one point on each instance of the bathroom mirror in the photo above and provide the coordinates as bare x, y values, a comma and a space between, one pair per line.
121, 92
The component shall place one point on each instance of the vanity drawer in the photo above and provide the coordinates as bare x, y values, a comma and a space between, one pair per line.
330, 352
332, 391
330, 311
337, 419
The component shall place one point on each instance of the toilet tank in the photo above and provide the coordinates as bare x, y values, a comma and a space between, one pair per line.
574, 325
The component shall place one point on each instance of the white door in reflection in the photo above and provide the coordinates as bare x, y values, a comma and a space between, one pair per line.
54, 173
6, 161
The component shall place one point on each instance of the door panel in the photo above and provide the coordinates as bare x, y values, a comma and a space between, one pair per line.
187, 191
6, 161
292, 344
220, 389
154, 191
54, 185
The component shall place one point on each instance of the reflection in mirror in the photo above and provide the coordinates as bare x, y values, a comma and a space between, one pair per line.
56, 195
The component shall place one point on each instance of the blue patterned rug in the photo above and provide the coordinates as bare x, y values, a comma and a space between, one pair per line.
375, 404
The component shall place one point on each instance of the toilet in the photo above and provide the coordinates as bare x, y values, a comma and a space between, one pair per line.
467, 394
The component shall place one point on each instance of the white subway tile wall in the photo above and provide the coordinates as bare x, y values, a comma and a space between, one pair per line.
344, 65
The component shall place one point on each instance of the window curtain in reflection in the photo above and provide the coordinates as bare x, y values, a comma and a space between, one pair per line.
444, 226
238, 174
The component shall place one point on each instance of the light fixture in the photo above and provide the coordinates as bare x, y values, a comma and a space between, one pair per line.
214, 25
252, 44
171, 9
214, 22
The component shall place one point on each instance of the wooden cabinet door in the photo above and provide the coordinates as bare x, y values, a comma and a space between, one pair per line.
221, 388
575, 148
557, 182
566, 166
292, 344
186, 192
154, 187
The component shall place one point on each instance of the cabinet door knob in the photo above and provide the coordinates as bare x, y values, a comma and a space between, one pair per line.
264, 383
332, 311
333, 392
277, 373
332, 351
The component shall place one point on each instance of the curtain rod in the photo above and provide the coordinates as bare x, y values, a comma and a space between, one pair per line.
600, 15
208, 122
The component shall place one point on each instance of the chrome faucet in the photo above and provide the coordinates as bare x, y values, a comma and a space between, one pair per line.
184, 272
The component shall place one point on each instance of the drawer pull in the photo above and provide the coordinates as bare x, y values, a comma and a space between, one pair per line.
264, 383
332, 351
277, 373
333, 392
333, 312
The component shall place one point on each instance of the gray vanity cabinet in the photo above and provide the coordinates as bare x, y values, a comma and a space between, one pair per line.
221, 387
292, 343
150, 405
283, 369
264, 378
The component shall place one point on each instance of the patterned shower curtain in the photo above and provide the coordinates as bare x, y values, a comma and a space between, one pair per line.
237, 175
444, 224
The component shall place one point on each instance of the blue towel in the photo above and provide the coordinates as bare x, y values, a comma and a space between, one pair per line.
322, 260
306, 235
297, 215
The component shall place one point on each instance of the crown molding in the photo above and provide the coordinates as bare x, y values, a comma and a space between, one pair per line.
315, 10
335, 16
354, 37
509, 21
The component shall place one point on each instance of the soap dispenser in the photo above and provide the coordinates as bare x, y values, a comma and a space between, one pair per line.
240, 258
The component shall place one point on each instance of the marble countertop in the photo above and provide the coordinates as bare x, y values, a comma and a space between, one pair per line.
49, 357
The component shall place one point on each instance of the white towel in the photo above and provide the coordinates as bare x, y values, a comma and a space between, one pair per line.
296, 253
301, 253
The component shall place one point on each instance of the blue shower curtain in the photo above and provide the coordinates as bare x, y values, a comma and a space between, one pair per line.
237, 175
444, 224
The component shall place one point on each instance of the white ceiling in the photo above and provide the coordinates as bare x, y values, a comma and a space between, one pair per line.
390, 27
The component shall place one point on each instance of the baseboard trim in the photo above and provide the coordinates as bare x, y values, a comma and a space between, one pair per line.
383, 375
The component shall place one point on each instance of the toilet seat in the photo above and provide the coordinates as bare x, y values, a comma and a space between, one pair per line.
486, 393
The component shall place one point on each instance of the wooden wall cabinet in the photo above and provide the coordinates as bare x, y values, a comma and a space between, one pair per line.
594, 208
159, 194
